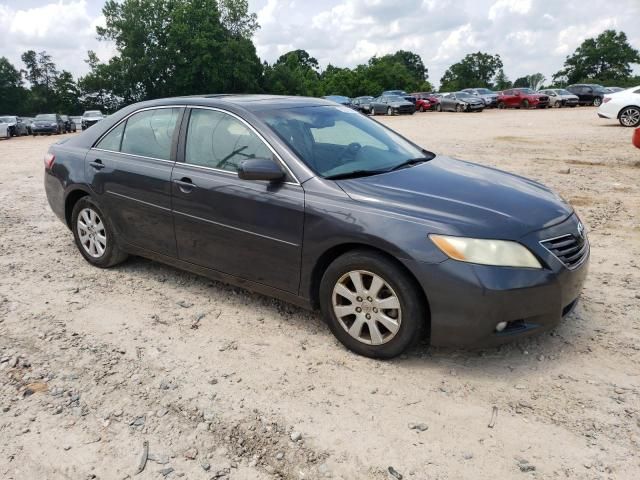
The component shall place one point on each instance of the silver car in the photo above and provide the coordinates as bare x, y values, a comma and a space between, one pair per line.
489, 97
15, 124
559, 97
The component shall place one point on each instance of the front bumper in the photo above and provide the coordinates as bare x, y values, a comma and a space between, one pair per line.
466, 301
44, 129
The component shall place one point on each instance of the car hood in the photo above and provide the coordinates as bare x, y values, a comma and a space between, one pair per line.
461, 198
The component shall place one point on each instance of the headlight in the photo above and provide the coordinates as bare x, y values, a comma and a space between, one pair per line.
501, 253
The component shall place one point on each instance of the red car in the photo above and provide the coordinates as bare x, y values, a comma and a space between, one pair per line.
425, 101
636, 138
522, 98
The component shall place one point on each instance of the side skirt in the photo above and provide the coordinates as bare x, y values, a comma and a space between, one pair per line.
220, 276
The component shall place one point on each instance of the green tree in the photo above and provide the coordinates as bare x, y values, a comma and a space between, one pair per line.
608, 57
236, 18
12, 93
501, 82
176, 47
67, 94
521, 82
475, 70
294, 73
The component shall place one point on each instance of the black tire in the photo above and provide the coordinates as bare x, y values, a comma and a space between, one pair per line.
414, 312
597, 101
501, 106
458, 108
525, 104
627, 116
112, 254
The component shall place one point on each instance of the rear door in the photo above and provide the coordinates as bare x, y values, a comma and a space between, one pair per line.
249, 229
129, 170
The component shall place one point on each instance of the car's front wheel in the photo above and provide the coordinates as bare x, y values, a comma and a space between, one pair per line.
597, 102
389, 111
372, 305
94, 236
630, 117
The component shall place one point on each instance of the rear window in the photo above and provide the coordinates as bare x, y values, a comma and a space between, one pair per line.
150, 133
46, 116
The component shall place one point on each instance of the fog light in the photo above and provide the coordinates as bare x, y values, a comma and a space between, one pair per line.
501, 326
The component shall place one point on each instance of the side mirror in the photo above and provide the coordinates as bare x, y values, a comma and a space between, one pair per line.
260, 169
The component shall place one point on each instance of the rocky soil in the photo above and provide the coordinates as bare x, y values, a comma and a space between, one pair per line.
143, 371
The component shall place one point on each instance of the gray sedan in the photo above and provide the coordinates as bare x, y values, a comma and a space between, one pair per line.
460, 102
391, 105
559, 97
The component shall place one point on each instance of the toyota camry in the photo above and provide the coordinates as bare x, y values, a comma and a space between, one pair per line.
313, 203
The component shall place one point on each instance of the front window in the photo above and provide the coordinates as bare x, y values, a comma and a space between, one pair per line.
339, 142
221, 141
46, 116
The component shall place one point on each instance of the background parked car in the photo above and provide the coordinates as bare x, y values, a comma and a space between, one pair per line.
48, 123
91, 117
78, 121
400, 93
28, 121
624, 106
4, 129
69, 125
16, 125
342, 100
362, 104
392, 105
489, 97
422, 98
559, 97
522, 98
460, 102
588, 93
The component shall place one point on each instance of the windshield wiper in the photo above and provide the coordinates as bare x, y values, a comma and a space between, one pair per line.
409, 163
354, 174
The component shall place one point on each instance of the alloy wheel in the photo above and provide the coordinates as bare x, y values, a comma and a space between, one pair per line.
92, 233
597, 102
367, 307
630, 117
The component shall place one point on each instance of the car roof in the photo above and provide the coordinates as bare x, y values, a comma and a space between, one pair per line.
248, 102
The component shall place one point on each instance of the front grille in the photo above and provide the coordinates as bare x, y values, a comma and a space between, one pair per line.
569, 249
406, 109
544, 99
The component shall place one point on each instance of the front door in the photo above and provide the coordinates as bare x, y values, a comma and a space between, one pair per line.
249, 229
129, 170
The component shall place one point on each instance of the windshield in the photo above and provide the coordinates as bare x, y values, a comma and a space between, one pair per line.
463, 94
93, 113
46, 116
338, 141
563, 92
7, 119
395, 98
485, 91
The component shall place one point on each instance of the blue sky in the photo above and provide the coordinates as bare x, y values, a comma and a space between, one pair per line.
530, 35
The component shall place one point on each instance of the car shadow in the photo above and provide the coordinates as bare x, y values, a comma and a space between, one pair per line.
513, 359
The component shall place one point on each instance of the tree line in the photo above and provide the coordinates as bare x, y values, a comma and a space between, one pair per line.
184, 47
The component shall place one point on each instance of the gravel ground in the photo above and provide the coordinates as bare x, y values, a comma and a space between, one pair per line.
223, 383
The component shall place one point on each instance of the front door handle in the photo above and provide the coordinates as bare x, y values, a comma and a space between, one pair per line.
97, 164
185, 184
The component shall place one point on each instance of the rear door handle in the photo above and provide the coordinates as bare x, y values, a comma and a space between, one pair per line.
97, 164
185, 184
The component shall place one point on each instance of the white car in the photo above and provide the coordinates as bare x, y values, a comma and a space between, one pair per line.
624, 106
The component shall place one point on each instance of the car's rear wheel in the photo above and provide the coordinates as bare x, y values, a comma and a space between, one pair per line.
630, 117
372, 305
597, 102
458, 108
94, 236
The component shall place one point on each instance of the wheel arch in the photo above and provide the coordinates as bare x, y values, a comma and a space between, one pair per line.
327, 257
71, 198
625, 107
